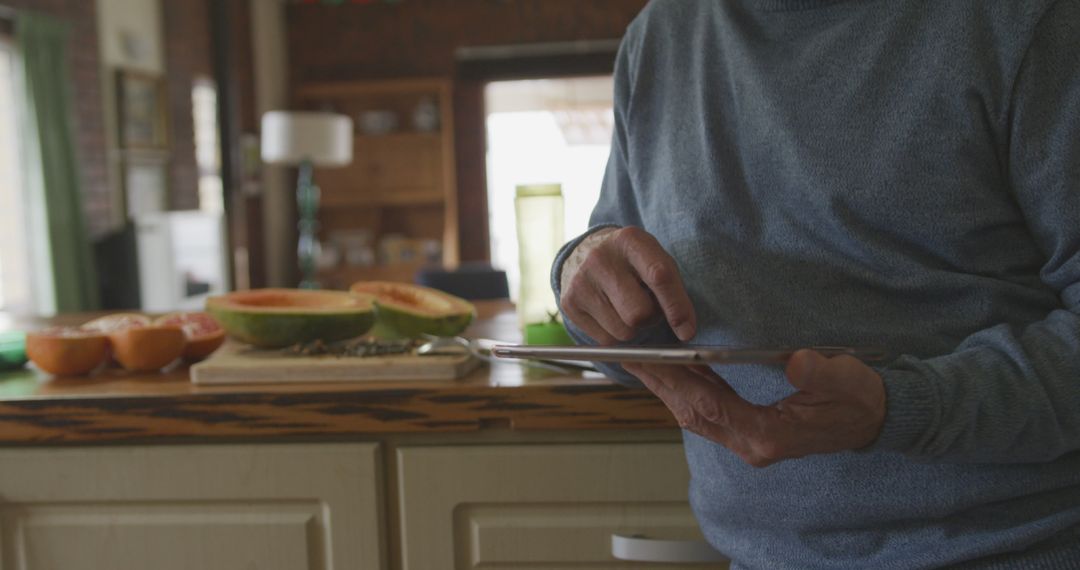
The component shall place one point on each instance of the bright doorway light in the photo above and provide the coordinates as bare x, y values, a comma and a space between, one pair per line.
15, 280
540, 132
207, 146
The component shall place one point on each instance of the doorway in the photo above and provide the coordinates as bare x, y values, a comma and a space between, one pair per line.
543, 131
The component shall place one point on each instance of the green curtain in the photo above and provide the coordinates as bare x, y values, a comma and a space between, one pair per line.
51, 166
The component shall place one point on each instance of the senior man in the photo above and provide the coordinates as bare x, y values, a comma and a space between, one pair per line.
903, 174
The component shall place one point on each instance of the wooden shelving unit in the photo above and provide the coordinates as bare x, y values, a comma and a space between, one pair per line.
401, 183
344, 275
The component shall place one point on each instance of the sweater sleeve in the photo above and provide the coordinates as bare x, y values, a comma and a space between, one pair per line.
616, 207
1012, 394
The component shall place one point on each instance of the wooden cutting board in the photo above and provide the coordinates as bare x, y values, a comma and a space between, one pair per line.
241, 364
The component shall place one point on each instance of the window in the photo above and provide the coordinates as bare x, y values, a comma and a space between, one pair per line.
539, 132
15, 289
207, 149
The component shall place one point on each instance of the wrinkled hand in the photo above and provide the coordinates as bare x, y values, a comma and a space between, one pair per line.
840, 405
619, 280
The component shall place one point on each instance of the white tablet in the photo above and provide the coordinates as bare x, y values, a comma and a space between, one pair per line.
680, 354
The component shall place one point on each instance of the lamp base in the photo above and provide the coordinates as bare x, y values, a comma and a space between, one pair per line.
307, 244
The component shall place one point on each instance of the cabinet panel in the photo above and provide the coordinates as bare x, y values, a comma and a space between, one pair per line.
178, 536
566, 533
530, 506
402, 164
191, 508
401, 169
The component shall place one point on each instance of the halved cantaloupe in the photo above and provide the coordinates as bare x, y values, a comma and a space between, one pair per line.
274, 318
408, 310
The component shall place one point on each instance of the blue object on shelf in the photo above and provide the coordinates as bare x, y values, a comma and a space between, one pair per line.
472, 281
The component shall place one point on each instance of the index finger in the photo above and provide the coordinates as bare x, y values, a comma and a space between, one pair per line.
658, 272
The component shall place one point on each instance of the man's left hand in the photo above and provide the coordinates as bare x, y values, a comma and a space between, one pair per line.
840, 405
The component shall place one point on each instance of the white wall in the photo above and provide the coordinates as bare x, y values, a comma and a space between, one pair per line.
130, 36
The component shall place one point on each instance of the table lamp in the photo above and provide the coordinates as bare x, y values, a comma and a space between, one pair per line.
306, 140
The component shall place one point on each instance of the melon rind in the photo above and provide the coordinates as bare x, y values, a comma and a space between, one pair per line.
448, 316
412, 325
277, 327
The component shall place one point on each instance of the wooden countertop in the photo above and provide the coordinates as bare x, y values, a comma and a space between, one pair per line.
115, 406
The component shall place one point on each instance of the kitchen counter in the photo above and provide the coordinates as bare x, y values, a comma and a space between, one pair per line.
115, 406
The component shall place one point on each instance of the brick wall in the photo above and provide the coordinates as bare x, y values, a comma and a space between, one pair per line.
418, 37
187, 59
86, 102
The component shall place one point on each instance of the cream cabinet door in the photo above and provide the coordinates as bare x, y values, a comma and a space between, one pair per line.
204, 507
539, 506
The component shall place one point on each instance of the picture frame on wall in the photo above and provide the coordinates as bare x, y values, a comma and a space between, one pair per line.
141, 110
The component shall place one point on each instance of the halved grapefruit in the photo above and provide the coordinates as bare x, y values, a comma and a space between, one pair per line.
204, 334
147, 348
117, 321
137, 343
67, 351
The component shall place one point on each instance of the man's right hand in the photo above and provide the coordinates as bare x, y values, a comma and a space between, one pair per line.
618, 280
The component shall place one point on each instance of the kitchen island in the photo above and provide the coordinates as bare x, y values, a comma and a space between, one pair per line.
506, 467
116, 406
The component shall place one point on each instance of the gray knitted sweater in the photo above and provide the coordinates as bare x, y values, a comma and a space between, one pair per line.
901, 173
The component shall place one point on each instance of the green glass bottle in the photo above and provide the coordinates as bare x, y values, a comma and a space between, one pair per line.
539, 209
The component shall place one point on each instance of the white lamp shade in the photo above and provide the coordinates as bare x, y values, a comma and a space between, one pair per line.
291, 137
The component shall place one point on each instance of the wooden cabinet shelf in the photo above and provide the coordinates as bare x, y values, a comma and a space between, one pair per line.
399, 137
410, 199
405, 197
342, 277
401, 183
